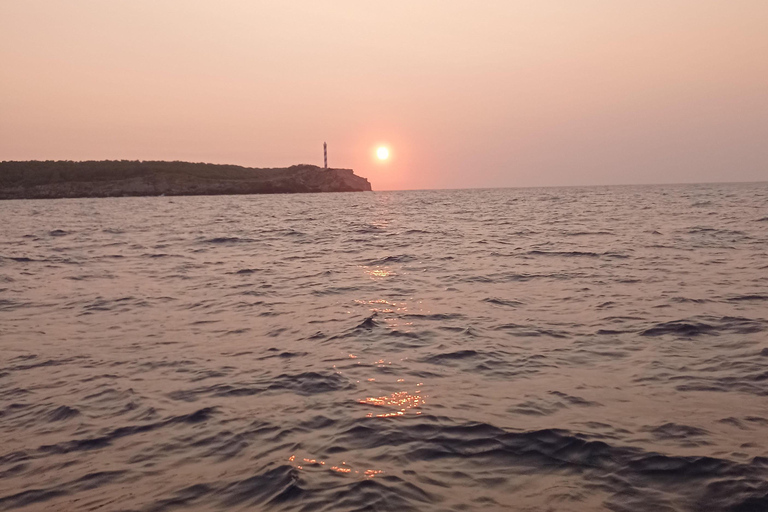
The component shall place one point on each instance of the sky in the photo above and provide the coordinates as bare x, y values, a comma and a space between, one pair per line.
463, 93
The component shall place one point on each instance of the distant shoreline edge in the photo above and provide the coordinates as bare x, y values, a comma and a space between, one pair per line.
118, 178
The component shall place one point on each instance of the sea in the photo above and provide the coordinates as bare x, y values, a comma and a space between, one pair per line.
537, 349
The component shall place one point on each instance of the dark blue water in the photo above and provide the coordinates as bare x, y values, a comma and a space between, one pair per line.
531, 349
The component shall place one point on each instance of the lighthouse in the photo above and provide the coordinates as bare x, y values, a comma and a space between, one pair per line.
325, 155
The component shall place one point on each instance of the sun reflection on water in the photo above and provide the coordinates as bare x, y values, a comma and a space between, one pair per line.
402, 401
379, 272
342, 468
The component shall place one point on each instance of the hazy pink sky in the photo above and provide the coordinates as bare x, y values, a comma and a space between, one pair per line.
465, 93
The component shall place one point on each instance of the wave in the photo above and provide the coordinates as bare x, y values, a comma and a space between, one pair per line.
305, 383
227, 240
84, 483
441, 317
747, 298
564, 253
11, 305
711, 483
368, 323
400, 258
576, 254
587, 233
63, 413
676, 432
530, 330
503, 302
450, 356
697, 326
102, 441
546, 407
20, 259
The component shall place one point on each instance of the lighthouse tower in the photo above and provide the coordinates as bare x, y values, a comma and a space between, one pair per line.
325, 155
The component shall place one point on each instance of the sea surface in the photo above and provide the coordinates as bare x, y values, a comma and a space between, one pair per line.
559, 349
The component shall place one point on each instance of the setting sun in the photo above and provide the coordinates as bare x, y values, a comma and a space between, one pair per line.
382, 153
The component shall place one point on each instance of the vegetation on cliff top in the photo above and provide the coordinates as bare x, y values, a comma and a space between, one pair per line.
32, 173
110, 178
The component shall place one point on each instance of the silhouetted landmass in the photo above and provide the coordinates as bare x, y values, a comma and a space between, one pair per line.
111, 178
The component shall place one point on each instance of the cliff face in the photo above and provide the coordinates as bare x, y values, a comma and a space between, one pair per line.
42, 180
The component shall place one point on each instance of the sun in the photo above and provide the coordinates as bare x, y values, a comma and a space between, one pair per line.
382, 153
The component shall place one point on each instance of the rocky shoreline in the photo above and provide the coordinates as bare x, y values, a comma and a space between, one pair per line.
110, 178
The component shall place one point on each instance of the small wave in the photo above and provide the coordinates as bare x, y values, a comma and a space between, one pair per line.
613, 332
451, 356
284, 355
58, 232
334, 290
401, 258
273, 487
715, 231
705, 325
435, 316
574, 400
235, 331
674, 431
310, 383
368, 323
478, 279
368, 229
587, 233
680, 328
541, 407
747, 298
11, 305
307, 383
526, 331
227, 240
35, 363
503, 302
94, 443
21, 259
683, 300
564, 253
42, 495
63, 413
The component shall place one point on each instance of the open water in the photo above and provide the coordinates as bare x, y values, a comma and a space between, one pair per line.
569, 349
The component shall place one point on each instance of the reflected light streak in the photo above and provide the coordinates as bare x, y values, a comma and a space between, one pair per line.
402, 401
342, 468
379, 272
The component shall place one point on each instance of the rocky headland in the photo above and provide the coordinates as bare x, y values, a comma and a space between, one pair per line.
116, 178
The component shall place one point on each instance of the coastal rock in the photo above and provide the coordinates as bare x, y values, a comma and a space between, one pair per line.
58, 179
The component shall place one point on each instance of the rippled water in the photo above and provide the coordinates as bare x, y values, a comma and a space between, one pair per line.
531, 349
